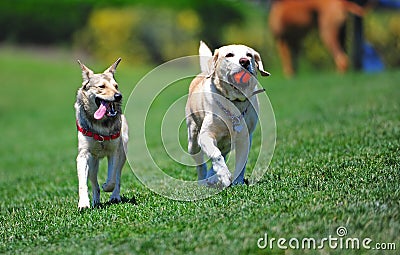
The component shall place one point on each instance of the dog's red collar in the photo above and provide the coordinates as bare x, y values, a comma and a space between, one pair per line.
97, 137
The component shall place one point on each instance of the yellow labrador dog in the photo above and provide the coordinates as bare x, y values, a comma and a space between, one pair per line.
221, 111
102, 132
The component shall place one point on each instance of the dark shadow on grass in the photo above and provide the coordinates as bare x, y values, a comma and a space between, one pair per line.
124, 200
245, 182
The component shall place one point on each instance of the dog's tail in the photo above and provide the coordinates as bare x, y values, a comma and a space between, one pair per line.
353, 8
205, 58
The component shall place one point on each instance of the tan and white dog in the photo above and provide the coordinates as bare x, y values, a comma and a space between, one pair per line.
221, 111
102, 132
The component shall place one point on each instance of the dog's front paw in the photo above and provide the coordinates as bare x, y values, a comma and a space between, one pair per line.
115, 199
108, 187
223, 176
216, 181
83, 203
96, 197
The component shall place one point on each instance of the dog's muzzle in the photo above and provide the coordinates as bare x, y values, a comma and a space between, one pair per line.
248, 65
241, 72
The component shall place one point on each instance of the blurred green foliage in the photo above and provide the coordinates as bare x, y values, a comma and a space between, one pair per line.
42, 22
49, 21
153, 31
139, 34
382, 29
145, 34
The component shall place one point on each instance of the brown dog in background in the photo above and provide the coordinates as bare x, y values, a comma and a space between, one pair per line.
290, 20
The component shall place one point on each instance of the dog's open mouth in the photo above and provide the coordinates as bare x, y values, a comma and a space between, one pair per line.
242, 77
105, 107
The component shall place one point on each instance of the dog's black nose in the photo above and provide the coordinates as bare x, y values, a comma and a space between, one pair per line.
244, 62
117, 97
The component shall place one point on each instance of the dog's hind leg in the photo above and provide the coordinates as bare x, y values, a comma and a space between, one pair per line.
109, 185
115, 196
198, 157
329, 28
195, 151
241, 161
113, 183
201, 167
286, 57
93, 170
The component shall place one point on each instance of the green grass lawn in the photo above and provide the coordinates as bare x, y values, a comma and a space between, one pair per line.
336, 163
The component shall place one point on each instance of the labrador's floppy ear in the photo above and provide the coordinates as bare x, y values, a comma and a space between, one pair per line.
86, 73
259, 63
113, 67
205, 55
214, 61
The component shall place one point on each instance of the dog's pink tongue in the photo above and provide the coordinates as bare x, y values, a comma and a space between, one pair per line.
100, 112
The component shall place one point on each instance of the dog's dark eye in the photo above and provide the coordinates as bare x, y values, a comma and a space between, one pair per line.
249, 55
116, 86
102, 86
229, 55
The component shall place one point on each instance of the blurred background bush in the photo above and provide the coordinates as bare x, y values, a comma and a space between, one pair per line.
151, 32
382, 29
